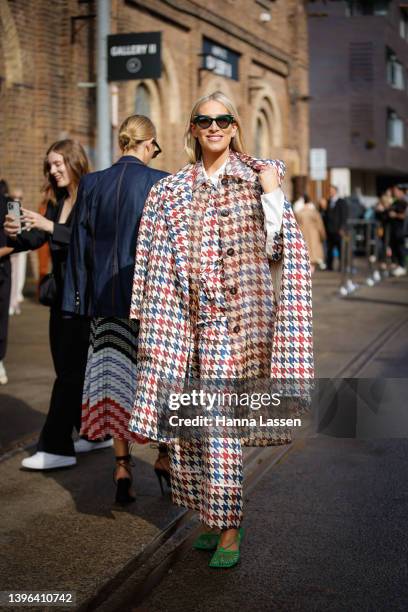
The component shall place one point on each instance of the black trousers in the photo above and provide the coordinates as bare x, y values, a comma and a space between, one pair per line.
333, 240
397, 244
5, 288
69, 340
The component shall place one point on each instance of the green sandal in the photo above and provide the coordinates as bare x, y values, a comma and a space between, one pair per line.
224, 558
206, 541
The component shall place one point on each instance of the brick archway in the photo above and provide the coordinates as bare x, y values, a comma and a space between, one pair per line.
268, 112
10, 47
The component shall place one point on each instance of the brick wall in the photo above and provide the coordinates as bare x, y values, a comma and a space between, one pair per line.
43, 58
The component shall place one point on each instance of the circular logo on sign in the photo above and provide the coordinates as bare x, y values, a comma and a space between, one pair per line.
133, 65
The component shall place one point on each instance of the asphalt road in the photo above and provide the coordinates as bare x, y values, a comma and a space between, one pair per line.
325, 527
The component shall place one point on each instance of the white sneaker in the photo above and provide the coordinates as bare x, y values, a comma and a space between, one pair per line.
84, 446
399, 271
3, 374
47, 461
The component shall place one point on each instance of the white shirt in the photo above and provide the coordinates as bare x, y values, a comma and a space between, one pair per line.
272, 204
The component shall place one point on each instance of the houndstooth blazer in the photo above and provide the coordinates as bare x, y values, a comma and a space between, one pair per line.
160, 298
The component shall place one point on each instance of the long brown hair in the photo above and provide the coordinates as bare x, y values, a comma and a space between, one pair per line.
76, 161
191, 145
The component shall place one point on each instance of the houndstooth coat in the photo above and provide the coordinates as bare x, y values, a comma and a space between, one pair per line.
162, 286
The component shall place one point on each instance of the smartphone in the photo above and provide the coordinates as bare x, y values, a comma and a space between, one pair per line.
14, 209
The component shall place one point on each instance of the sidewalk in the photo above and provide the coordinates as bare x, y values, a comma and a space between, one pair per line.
330, 509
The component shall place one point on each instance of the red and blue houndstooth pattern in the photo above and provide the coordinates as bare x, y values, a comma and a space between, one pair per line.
162, 285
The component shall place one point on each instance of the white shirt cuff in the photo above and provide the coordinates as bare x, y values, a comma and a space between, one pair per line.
272, 204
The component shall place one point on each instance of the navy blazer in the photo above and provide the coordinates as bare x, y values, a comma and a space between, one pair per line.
101, 260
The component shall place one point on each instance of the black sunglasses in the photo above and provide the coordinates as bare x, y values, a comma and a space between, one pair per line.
157, 150
204, 121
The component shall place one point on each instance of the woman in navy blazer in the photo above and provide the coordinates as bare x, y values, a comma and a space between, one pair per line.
98, 284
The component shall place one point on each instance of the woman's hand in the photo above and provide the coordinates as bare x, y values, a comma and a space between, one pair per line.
33, 220
4, 251
11, 227
269, 180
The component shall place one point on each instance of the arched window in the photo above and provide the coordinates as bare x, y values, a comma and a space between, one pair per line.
263, 140
258, 137
142, 101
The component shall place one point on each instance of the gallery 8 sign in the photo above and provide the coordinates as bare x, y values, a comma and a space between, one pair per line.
134, 56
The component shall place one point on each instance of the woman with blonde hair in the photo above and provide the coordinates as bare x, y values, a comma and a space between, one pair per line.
64, 164
222, 291
99, 284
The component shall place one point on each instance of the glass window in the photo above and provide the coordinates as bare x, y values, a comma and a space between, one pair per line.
367, 7
395, 71
403, 25
142, 101
395, 129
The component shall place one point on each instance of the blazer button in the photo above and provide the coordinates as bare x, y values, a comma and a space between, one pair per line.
236, 329
233, 290
225, 213
230, 251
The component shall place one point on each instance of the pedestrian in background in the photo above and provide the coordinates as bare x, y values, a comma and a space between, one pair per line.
64, 165
396, 216
5, 283
209, 309
18, 267
99, 284
381, 215
335, 221
312, 227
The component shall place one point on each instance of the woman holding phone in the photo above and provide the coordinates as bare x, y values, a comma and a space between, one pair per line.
64, 164
222, 291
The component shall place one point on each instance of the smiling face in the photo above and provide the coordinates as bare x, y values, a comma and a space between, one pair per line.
214, 141
58, 169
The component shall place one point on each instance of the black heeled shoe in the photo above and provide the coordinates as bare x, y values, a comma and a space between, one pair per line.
123, 495
160, 471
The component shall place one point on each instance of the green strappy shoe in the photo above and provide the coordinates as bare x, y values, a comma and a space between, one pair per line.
224, 558
206, 541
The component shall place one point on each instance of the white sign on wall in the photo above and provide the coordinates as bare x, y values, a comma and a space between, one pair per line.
318, 164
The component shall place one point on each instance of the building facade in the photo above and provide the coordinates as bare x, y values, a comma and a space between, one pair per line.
359, 91
48, 74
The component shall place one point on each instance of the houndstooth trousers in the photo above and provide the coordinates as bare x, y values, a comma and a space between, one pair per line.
206, 473
230, 286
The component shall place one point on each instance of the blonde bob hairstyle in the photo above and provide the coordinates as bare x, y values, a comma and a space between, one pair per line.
134, 130
191, 145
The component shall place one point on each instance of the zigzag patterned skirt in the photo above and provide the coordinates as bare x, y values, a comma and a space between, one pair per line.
110, 378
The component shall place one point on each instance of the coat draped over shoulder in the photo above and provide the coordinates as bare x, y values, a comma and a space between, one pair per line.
161, 285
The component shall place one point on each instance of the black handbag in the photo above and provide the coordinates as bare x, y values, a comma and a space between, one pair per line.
47, 293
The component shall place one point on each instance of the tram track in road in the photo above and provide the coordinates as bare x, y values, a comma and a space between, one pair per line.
361, 360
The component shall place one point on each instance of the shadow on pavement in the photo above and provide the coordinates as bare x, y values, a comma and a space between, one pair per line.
92, 490
18, 420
